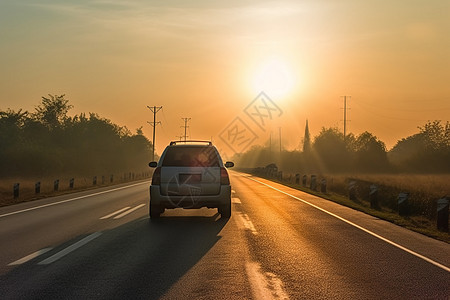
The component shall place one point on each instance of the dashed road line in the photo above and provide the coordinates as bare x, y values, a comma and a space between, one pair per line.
129, 211
248, 224
264, 285
29, 257
70, 249
236, 200
114, 213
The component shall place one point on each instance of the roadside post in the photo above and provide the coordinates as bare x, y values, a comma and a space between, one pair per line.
373, 196
37, 187
403, 209
16, 190
323, 185
56, 185
304, 180
442, 214
94, 180
313, 183
297, 178
71, 183
352, 190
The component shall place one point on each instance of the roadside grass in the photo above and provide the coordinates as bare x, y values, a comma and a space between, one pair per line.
423, 188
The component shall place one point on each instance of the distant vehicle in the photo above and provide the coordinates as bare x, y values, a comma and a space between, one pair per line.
190, 174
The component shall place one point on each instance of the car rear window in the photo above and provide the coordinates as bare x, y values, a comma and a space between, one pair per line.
191, 157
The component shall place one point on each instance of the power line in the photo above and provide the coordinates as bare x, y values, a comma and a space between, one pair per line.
371, 111
402, 110
164, 121
154, 110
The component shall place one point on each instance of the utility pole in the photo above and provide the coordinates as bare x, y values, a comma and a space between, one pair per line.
345, 115
270, 143
185, 126
154, 110
279, 131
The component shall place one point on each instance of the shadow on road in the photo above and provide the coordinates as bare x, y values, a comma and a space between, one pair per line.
137, 260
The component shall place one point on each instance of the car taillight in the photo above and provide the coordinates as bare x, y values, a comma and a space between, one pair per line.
156, 178
224, 176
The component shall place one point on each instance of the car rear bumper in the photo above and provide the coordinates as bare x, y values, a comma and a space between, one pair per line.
190, 201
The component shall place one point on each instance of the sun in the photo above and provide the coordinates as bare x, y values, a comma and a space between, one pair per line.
273, 77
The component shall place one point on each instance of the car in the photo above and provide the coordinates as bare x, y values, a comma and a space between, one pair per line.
190, 175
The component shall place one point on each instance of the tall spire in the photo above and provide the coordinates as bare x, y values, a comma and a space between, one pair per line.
307, 139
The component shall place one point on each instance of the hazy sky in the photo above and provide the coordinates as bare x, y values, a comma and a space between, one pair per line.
208, 60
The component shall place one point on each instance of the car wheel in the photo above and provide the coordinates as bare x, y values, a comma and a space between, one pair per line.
154, 211
225, 210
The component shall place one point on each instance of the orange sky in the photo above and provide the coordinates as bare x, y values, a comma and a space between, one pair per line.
208, 61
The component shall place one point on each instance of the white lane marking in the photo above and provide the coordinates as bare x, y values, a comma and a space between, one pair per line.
70, 200
264, 285
236, 200
245, 220
360, 227
69, 249
233, 191
114, 213
29, 257
128, 211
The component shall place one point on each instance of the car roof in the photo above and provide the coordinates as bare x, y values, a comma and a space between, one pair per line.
190, 143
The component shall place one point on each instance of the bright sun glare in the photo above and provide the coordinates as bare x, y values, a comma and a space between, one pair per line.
274, 78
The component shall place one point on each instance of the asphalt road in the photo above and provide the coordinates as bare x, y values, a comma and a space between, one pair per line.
279, 244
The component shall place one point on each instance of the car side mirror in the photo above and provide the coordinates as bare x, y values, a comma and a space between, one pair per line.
153, 164
229, 164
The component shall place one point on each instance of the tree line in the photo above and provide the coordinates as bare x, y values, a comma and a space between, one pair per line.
427, 151
49, 142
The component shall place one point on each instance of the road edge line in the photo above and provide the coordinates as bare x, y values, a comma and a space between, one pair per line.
70, 200
429, 260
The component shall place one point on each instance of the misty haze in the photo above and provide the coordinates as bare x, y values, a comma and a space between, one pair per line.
194, 149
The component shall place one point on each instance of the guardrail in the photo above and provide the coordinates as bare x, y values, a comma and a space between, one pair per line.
379, 197
26, 189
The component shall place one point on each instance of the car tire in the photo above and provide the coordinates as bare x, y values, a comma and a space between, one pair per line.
154, 211
225, 210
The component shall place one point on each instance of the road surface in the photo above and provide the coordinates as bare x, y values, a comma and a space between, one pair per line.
280, 243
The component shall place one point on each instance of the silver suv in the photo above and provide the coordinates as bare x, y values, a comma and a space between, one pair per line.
190, 174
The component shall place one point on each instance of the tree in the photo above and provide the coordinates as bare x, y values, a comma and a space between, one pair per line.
437, 136
11, 137
426, 151
370, 153
332, 151
52, 111
11, 124
138, 149
49, 142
